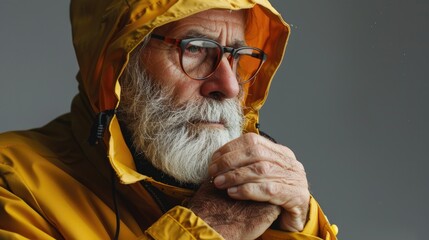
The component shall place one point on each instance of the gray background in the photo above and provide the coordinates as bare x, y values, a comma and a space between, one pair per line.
351, 99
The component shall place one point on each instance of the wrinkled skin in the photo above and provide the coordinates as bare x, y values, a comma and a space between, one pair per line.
256, 181
252, 167
231, 218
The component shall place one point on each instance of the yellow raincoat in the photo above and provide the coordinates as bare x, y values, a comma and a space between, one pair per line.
55, 185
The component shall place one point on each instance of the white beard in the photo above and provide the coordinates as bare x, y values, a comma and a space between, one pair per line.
172, 137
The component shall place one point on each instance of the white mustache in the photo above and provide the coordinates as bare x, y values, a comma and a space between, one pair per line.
212, 111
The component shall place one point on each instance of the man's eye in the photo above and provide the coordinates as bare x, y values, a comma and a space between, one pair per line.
194, 49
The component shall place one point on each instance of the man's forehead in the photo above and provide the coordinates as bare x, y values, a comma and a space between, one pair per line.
215, 14
221, 25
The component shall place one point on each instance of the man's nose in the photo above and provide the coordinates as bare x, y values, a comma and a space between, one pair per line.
222, 84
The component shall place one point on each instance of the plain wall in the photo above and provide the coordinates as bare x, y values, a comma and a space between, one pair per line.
351, 99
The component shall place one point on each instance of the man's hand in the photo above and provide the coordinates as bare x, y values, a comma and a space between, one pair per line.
231, 218
252, 167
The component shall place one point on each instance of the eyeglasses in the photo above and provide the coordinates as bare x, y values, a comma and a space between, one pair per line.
200, 57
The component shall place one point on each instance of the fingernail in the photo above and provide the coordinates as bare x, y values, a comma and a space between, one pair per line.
232, 190
219, 180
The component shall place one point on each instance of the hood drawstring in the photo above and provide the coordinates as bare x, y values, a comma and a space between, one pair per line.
115, 206
100, 123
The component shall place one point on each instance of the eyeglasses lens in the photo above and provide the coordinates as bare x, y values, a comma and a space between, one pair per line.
200, 59
248, 64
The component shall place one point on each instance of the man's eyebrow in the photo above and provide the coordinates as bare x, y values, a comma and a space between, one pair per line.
196, 34
239, 43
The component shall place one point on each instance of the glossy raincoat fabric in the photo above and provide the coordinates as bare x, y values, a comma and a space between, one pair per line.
55, 185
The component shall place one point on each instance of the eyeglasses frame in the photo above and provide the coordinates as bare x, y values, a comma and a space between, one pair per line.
182, 43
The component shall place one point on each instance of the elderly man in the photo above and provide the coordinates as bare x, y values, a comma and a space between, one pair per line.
169, 97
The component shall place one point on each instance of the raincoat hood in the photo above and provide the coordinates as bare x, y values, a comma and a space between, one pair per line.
105, 32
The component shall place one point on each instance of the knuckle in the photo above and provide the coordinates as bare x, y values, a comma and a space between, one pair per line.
233, 176
272, 189
251, 138
302, 199
236, 175
246, 190
255, 151
262, 168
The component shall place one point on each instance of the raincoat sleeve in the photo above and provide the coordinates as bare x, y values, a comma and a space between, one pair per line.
20, 219
183, 222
